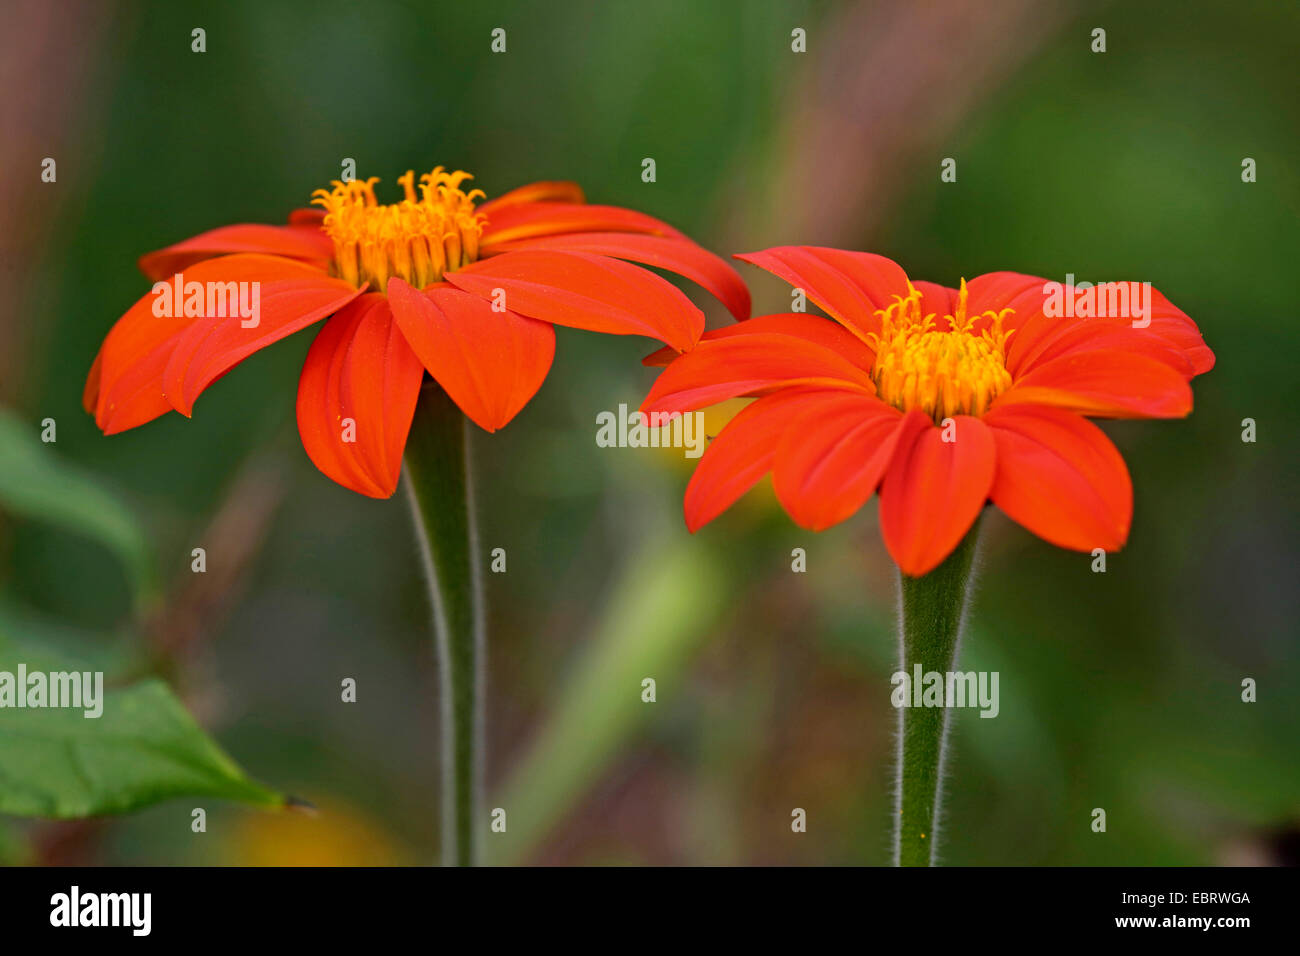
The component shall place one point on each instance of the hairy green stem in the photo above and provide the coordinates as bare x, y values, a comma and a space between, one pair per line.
440, 488
931, 609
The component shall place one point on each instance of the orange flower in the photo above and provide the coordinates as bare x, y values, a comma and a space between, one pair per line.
420, 284
943, 398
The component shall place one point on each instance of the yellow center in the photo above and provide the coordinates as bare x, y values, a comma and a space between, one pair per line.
943, 373
417, 239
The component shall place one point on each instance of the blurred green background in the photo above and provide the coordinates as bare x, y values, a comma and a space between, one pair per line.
1119, 690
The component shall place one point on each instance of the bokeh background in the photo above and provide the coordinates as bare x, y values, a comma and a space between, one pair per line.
1118, 690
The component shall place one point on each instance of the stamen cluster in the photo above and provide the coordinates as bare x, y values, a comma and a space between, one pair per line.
943, 368
419, 238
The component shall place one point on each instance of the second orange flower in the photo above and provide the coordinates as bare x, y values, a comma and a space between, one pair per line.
942, 398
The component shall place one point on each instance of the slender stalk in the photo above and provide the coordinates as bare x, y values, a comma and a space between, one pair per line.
931, 609
440, 488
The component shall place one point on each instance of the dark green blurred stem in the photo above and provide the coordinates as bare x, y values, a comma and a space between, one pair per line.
439, 485
931, 609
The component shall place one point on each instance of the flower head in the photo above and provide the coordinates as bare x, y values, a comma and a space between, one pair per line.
950, 371
416, 239
434, 283
941, 398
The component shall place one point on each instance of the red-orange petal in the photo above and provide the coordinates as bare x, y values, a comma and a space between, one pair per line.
307, 216
1104, 383
90, 394
131, 362
212, 346
305, 243
1175, 325
996, 291
939, 300
1059, 476
356, 397
850, 286
532, 220
1038, 333
801, 325
491, 363
751, 365
832, 457
934, 489
1085, 335
674, 253
545, 191
584, 291
740, 455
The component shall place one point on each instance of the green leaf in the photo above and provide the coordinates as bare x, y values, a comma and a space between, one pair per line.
35, 483
144, 748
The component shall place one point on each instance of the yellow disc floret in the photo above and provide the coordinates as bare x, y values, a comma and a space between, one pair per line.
418, 239
943, 368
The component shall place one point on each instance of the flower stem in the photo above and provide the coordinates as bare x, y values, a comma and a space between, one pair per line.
440, 488
931, 609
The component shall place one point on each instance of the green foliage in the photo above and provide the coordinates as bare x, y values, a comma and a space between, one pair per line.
1120, 689
144, 747
36, 483
657, 616
57, 762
